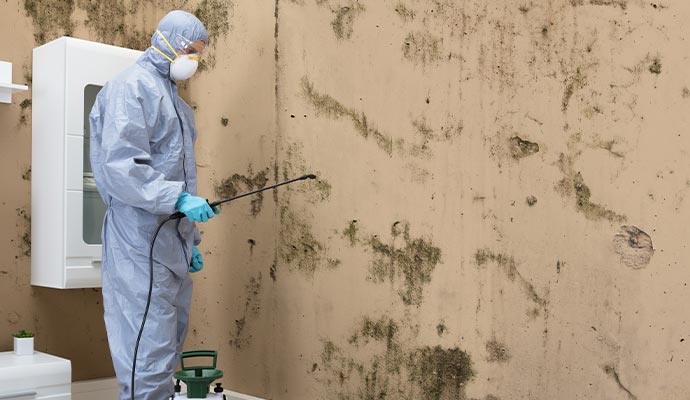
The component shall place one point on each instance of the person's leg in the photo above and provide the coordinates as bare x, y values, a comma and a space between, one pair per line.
182, 302
124, 302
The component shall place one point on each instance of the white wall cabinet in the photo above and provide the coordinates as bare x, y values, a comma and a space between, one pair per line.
66, 210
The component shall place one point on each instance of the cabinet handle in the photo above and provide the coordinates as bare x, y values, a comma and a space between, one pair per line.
17, 395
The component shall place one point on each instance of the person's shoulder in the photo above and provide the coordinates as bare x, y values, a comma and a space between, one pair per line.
135, 80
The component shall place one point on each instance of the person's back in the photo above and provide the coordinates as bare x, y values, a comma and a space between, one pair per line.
142, 154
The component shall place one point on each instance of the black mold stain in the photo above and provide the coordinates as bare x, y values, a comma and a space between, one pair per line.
531, 201
51, 18
272, 272
377, 365
25, 105
27, 174
520, 148
252, 308
294, 164
686, 93
426, 133
572, 83
215, 16
423, 47
330, 107
237, 183
344, 20
508, 265
573, 185
623, 4
404, 12
298, 246
441, 373
351, 232
634, 246
224, 121
497, 352
252, 243
441, 328
610, 370
414, 262
559, 264
108, 20
608, 146
25, 240
591, 210
655, 67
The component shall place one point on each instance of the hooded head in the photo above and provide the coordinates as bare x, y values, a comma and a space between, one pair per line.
179, 28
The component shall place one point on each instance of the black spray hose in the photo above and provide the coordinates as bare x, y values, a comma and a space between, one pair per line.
179, 215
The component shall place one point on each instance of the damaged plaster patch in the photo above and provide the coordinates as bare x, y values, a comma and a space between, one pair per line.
252, 307
423, 48
236, 184
330, 107
508, 265
610, 370
634, 246
51, 18
520, 148
378, 363
496, 351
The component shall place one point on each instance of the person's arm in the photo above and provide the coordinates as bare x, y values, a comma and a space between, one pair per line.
127, 174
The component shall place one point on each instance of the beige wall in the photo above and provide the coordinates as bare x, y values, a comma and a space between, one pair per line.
498, 215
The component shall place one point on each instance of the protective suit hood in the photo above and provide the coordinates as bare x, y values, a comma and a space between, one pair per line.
174, 23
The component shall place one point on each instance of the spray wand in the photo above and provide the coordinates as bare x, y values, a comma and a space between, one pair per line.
179, 215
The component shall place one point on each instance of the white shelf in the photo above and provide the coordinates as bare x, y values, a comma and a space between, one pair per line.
6, 85
12, 87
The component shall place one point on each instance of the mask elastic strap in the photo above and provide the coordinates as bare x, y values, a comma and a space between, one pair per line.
163, 54
168, 43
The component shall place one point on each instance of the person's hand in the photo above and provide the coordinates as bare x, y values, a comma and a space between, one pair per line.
195, 208
216, 209
197, 261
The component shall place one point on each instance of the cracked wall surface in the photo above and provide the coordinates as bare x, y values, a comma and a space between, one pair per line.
498, 212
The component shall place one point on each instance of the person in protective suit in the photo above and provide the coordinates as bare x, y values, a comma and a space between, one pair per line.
142, 154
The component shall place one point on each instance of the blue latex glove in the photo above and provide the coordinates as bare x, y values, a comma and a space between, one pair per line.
194, 207
197, 261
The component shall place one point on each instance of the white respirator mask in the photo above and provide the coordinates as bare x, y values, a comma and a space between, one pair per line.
183, 66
